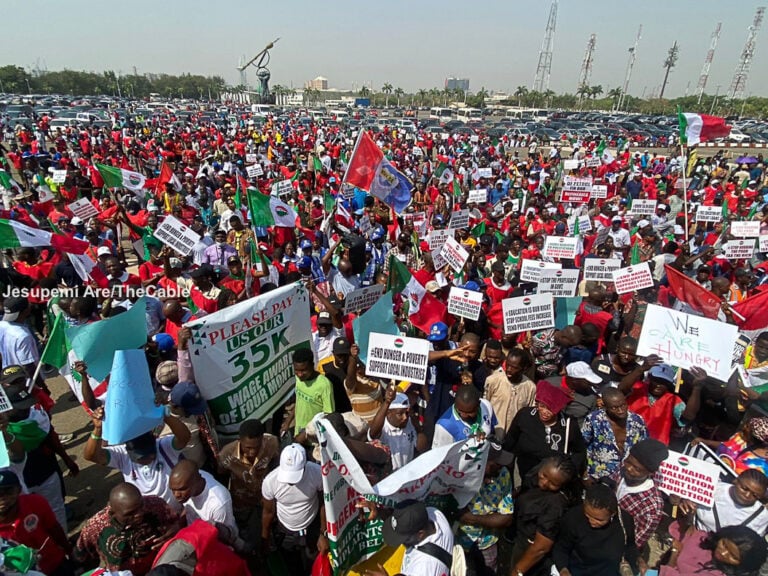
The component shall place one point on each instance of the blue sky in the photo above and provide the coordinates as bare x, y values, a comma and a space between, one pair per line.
406, 43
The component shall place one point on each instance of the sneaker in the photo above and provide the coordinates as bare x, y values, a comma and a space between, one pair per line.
66, 438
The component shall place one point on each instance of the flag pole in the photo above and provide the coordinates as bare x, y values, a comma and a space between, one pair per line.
351, 156
684, 151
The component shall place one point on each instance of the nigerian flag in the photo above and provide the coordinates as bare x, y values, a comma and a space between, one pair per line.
443, 173
7, 182
121, 178
269, 211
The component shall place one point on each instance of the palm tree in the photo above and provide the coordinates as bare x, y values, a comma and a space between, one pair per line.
460, 95
447, 94
548, 95
595, 91
434, 93
481, 96
399, 92
583, 92
422, 95
520, 93
387, 89
364, 92
614, 94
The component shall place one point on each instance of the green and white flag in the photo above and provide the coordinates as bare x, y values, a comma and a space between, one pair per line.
7, 182
269, 210
121, 178
443, 173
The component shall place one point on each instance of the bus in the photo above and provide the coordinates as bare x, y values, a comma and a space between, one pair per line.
443, 114
469, 114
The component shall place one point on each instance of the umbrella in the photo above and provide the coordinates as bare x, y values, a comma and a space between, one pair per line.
747, 160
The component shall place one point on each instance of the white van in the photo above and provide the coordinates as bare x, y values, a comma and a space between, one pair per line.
261, 109
340, 114
468, 114
160, 106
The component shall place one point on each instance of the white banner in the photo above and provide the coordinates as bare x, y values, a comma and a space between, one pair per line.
83, 209
59, 176
251, 158
397, 357
363, 298
459, 219
437, 238
585, 224
484, 172
632, 278
763, 243
643, 207
174, 233
254, 171
739, 249
747, 229
689, 478
282, 187
535, 312
531, 270
570, 164
599, 190
576, 189
559, 283
454, 254
601, 269
684, 340
465, 303
561, 246
242, 355
437, 260
593, 162
709, 214
478, 196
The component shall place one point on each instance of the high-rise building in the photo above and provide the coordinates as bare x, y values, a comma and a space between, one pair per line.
457, 84
318, 83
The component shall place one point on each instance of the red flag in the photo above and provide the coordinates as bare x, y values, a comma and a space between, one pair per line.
755, 311
690, 292
363, 163
167, 175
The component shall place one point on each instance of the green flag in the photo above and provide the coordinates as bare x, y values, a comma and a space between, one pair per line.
600, 148
576, 230
317, 164
456, 188
635, 258
329, 202
478, 230
56, 349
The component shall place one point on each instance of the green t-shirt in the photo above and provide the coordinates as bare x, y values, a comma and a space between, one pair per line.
312, 397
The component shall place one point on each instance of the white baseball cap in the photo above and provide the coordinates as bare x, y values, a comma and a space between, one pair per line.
103, 251
582, 370
293, 458
400, 401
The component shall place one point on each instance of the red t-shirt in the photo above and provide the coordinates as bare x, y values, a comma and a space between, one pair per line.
33, 526
147, 270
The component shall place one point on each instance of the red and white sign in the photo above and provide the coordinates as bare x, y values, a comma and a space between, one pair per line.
454, 254
689, 478
465, 303
561, 246
601, 269
576, 189
643, 207
459, 219
535, 312
559, 283
739, 249
599, 191
632, 278
397, 357
83, 209
748, 229
531, 270
437, 238
709, 214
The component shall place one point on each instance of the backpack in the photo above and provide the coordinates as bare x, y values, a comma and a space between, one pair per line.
455, 562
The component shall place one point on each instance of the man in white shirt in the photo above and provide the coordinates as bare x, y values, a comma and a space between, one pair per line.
293, 493
324, 337
17, 343
201, 495
393, 426
469, 416
620, 236
427, 537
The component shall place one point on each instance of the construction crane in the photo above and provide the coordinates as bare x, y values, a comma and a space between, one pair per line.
740, 76
630, 65
544, 67
586, 65
708, 61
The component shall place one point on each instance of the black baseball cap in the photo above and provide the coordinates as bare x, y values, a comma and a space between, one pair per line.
141, 447
405, 523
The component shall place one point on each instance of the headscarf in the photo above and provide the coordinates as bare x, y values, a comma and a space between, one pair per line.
553, 397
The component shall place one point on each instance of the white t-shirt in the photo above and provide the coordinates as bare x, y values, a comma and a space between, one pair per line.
297, 504
416, 563
324, 345
213, 504
401, 442
17, 345
731, 514
151, 480
620, 238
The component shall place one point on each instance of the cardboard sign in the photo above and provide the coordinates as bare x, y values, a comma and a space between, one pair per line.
454, 254
643, 207
709, 214
739, 249
465, 303
484, 172
561, 246
684, 340
173, 233
576, 189
251, 158
585, 224
397, 357
632, 278
531, 270
601, 269
282, 187
459, 219
571, 164
437, 238
599, 191
535, 312
437, 260
59, 176
748, 229
559, 283
762, 244
593, 162
478, 196
83, 209
363, 298
254, 171
416, 151
689, 478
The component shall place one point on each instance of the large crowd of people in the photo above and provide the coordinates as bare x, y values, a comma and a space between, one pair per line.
576, 422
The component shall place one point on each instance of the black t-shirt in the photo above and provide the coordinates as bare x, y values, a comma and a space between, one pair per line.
337, 376
539, 511
603, 367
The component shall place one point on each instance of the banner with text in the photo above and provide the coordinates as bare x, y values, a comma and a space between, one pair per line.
739, 249
454, 254
632, 278
465, 303
576, 189
709, 214
363, 298
561, 247
172, 232
601, 269
397, 357
689, 478
559, 283
459, 219
531, 270
535, 312
746, 229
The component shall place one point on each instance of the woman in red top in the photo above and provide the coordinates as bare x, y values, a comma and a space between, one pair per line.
498, 287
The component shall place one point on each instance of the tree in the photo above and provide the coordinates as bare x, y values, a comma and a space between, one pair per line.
434, 93
422, 95
583, 91
548, 95
387, 89
614, 94
520, 93
399, 92
595, 91
447, 92
13, 79
364, 92
481, 95
669, 62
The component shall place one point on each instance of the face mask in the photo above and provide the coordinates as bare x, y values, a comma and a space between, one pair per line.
221, 244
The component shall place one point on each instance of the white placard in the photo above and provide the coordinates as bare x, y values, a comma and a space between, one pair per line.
739, 249
593, 162
585, 224
416, 151
536, 312
576, 189
437, 260
465, 303
397, 357
454, 254
59, 176
685, 341
254, 171
175, 234
709, 214
643, 207
282, 187
484, 172
601, 269
632, 278
474, 138
689, 478
559, 283
571, 164
478, 196
251, 158
561, 246
83, 209
531, 270
599, 191
437, 238
763, 244
746, 229
363, 298
459, 219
